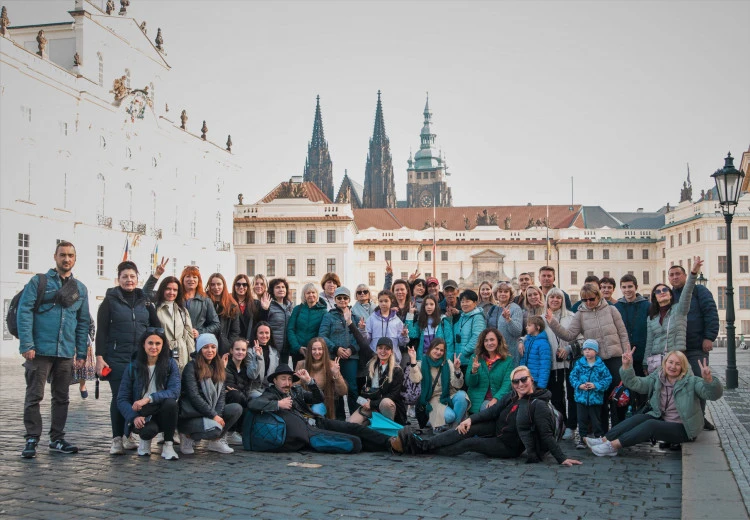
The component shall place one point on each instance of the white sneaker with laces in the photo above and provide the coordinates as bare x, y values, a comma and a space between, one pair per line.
604, 449
568, 434
234, 438
130, 443
220, 445
591, 441
186, 445
117, 448
144, 447
167, 451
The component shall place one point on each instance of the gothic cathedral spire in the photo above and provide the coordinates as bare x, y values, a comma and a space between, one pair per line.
318, 165
380, 188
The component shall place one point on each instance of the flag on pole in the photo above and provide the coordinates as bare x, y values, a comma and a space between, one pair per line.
126, 252
155, 257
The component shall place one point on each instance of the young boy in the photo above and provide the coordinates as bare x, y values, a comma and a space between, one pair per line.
537, 353
590, 378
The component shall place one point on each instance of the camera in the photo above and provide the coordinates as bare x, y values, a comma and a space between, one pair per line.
458, 338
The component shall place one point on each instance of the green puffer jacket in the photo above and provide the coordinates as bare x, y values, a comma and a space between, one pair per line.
670, 334
497, 380
304, 324
687, 394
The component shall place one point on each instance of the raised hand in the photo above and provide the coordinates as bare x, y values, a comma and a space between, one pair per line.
225, 358
457, 362
388, 268
627, 357
475, 365
412, 354
362, 324
705, 371
348, 316
697, 264
336, 367
258, 349
161, 267
304, 375
412, 307
506, 313
549, 315
405, 332
265, 301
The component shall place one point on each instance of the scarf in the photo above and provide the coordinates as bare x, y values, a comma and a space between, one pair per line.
445, 381
211, 391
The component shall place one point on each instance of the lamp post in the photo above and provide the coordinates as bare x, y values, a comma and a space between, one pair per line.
702, 280
728, 181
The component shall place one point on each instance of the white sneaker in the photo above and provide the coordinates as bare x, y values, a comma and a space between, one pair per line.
130, 443
144, 447
591, 441
234, 438
604, 449
568, 434
117, 448
186, 444
167, 451
159, 438
220, 445
176, 438
411, 411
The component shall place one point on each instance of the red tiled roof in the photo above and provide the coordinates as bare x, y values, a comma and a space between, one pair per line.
308, 190
560, 216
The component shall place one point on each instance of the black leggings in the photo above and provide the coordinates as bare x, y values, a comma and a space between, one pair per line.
480, 438
115, 417
163, 419
372, 440
642, 427
563, 396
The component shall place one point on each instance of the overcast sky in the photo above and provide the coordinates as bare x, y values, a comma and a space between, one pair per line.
618, 95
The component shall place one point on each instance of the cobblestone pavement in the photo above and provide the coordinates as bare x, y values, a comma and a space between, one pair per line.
731, 415
642, 482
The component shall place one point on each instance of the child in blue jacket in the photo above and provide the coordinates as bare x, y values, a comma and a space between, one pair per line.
537, 353
590, 377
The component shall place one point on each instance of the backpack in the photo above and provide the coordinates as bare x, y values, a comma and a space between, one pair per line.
263, 431
620, 396
558, 422
11, 319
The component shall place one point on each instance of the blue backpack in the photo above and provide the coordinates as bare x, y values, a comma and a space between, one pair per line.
263, 431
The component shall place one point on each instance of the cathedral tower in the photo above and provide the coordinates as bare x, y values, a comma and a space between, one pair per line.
380, 188
318, 165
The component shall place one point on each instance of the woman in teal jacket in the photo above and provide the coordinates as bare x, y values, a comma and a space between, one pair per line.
428, 326
674, 395
488, 378
304, 322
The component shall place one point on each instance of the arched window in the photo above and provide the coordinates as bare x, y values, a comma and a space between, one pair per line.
101, 68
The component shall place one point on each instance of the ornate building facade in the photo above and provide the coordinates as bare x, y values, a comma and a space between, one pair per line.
318, 165
380, 188
426, 184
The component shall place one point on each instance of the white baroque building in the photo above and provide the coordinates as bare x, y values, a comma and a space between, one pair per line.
81, 163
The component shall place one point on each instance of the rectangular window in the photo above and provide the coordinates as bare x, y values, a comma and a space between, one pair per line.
530, 254
404, 255
644, 254
721, 298
444, 256
605, 254
443, 277
291, 236
605, 274
270, 237
291, 267
310, 267
589, 273
589, 254
371, 256
388, 256
428, 256
23, 251
688, 236
743, 264
697, 235
330, 265
630, 254
690, 264
744, 297
721, 233
331, 236
574, 254
663, 252
671, 241
250, 237
371, 278
742, 232
310, 236
745, 329
722, 264
646, 278
271, 267
679, 239
100, 260
574, 278
250, 267
404, 275
428, 275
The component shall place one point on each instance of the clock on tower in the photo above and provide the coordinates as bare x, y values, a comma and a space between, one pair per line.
426, 200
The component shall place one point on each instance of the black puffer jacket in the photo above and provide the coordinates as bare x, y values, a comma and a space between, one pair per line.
536, 427
198, 404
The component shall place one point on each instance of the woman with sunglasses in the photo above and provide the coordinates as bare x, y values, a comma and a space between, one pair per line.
304, 323
507, 317
148, 395
364, 307
121, 320
246, 303
174, 318
520, 420
226, 309
666, 326
597, 319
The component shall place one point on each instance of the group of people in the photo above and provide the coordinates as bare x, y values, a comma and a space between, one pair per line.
487, 371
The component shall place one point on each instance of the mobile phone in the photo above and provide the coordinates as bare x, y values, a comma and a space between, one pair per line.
106, 371
361, 401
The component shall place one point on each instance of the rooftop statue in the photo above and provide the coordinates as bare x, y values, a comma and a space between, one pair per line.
143, 27
229, 143
120, 88
183, 119
110, 6
507, 222
42, 43
204, 130
159, 41
124, 7
4, 22
77, 60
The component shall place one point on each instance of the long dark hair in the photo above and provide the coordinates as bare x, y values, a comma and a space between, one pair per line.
214, 370
254, 335
225, 305
653, 310
403, 282
180, 300
272, 285
423, 317
249, 300
502, 346
161, 371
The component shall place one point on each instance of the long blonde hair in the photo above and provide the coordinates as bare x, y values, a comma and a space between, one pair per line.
376, 361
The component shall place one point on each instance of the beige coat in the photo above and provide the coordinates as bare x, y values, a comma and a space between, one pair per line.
437, 415
179, 331
603, 323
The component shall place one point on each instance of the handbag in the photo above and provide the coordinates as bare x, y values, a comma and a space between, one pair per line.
410, 391
653, 362
420, 411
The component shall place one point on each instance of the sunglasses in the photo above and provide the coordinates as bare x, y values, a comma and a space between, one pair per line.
342, 297
588, 299
240, 284
519, 380
158, 330
661, 291
363, 292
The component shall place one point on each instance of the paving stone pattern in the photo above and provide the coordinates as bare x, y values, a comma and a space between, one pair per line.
642, 482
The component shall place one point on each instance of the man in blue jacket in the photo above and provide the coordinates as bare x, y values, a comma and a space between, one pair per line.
51, 336
702, 324
634, 310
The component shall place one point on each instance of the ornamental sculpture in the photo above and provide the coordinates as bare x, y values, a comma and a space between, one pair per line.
4, 22
77, 60
240, 198
110, 6
120, 88
124, 7
159, 41
42, 44
143, 27
183, 118
506, 222
229, 143
204, 130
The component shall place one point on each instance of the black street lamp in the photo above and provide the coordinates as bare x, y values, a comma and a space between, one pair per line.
728, 181
702, 280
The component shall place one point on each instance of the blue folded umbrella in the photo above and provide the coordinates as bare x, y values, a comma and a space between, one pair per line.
381, 423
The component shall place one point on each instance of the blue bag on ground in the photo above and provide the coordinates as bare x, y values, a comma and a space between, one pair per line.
263, 431
330, 442
381, 423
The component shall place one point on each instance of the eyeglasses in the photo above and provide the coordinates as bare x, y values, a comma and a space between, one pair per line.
519, 380
588, 299
240, 284
158, 330
342, 297
661, 291
363, 292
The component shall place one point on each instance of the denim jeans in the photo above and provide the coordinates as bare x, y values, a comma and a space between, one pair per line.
459, 405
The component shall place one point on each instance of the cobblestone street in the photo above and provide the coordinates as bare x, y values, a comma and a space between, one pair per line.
644, 482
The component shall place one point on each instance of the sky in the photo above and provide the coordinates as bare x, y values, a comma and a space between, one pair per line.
620, 96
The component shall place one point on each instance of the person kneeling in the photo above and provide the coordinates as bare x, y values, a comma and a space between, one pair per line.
203, 411
155, 377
